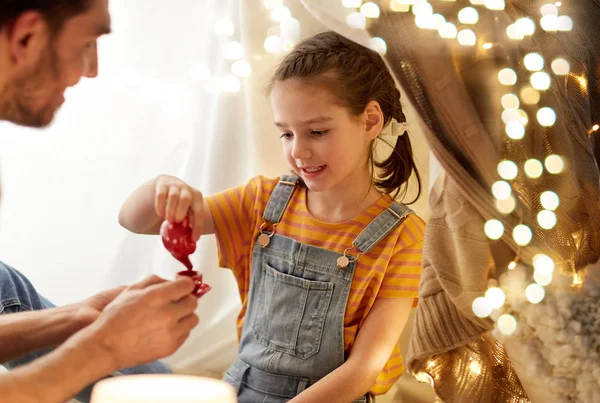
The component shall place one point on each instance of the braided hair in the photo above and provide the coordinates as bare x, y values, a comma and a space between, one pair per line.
356, 75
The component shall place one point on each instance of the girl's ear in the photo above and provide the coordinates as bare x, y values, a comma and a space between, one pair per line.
373, 120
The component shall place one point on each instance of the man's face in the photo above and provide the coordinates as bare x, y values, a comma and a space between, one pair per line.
37, 90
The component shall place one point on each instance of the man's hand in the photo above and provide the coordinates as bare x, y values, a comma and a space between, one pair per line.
89, 309
147, 321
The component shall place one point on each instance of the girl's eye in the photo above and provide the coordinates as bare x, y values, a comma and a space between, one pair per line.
286, 136
319, 133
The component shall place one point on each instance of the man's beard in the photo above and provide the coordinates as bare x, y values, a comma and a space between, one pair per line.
19, 102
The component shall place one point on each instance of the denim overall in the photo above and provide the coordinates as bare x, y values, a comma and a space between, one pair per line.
293, 332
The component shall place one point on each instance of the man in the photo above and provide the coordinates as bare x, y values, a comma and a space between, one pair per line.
46, 46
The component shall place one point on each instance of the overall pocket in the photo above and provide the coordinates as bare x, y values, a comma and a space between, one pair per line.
291, 312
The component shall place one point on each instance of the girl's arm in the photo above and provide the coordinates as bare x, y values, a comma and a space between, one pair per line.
165, 198
372, 349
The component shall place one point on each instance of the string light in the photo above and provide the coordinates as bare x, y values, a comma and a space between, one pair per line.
351, 3
533, 168
501, 190
370, 10
508, 170
546, 116
241, 68
546, 219
543, 264
232, 50
507, 324
513, 32
515, 130
494, 229
280, 13
273, 44
399, 6
466, 37
549, 10
549, 200
487, 45
511, 115
554, 164
510, 101
540, 80
535, 293
224, 27
507, 76
378, 45
564, 23
448, 30
356, 20
231, 84
561, 67
495, 4
542, 279
512, 265
526, 26
468, 15
481, 307
422, 8
495, 297
507, 205
533, 62
594, 129
549, 23
522, 235
270, 4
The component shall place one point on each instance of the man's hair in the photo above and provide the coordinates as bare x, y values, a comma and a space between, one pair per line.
56, 12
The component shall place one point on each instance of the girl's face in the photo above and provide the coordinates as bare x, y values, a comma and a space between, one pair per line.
323, 143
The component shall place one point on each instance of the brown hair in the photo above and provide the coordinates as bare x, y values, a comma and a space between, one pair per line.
56, 12
360, 76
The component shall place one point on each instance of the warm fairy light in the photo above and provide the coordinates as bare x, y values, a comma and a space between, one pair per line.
565, 23
547, 219
507, 205
468, 15
271, 4
231, 84
378, 45
501, 190
448, 30
523, 118
512, 265
399, 6
507, 76
273, 44
513, 32
495, 297
549, 23
522, 235
280, 13
466, 37
487, 45
508, 170
554, 164
232, 50
495, 4
543, 264
510, 115
515, 130
546, 116
224, 27
526, 26
542, 279
533, 62
549, 9
370, 10
530, 96
561, 67
356, 20
507, 324
493, 229
549, 200
510, 101
482, 307
422, 8
540, 80
351, 3
577, 279
241, 68
533, 168
535, 293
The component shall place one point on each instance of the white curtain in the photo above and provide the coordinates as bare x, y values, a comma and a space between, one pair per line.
154, 109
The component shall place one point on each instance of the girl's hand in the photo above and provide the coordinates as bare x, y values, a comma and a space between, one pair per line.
174, 199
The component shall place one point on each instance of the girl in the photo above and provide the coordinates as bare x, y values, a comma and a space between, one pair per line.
327, 264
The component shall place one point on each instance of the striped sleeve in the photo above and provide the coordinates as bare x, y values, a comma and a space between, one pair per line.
234, 215
403, 273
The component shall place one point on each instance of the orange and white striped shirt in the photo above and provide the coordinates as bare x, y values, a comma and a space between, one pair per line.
391, 269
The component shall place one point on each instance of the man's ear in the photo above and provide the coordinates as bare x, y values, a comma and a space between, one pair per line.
373, 120
27, 37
